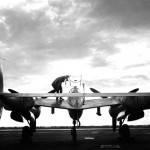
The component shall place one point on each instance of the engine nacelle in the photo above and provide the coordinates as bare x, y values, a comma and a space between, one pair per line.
136, 115
115, 110
18, 104
15, 116
137, 102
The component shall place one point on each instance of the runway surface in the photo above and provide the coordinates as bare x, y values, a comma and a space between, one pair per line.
87, 139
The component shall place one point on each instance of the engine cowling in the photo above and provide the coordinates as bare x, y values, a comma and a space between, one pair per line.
15, 116
136, 115
137, 102
19, 104
115, 110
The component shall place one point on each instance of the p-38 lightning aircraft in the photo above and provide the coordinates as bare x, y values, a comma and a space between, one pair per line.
27, 105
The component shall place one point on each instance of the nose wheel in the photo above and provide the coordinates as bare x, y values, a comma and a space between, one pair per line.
73, 131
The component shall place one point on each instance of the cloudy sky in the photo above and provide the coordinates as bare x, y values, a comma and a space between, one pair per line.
105, 41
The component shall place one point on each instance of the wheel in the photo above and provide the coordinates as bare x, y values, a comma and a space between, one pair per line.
32, 126
26, 132
124, 131
73, 133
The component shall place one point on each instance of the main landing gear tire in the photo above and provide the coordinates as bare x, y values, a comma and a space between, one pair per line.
124, 131
32, 127
26, 134
74, 133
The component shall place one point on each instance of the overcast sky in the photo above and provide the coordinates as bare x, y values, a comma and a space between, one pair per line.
105, 41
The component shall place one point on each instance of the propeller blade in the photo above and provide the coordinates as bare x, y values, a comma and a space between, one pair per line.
134, 91
96, 91
1, 108
12, 91
48, 92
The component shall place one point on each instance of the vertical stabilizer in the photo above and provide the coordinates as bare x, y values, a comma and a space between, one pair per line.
1, 88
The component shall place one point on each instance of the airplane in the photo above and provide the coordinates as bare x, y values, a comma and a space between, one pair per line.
129, 107
28, 105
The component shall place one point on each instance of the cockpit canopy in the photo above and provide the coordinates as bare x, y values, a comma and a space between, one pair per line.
75, 81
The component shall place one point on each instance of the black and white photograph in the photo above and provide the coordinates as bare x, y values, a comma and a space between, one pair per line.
74, 74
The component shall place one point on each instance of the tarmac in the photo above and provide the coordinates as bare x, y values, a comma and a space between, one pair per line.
87, 139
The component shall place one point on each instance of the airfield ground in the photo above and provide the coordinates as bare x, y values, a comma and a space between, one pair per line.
87, 139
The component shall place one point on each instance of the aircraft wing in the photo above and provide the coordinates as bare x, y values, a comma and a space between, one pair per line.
93, 103
72, 94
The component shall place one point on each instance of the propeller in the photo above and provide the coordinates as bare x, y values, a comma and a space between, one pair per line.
134, 91
1, 108
96, 91
12, 91
48, 92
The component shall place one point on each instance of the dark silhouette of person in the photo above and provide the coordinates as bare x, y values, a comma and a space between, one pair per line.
57, 85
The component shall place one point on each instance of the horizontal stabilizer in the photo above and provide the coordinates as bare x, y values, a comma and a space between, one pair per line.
93, 103
53, 103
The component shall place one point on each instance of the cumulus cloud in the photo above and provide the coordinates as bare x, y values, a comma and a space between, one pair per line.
126, 14
137, 65
120, 83
69, 28
36, 33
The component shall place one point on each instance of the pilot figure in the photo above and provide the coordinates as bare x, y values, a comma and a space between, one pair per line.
57, 85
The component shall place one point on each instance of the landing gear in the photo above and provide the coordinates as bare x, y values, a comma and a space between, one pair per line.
73, 131
124, 132
26, 134
32, 126
27, 131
